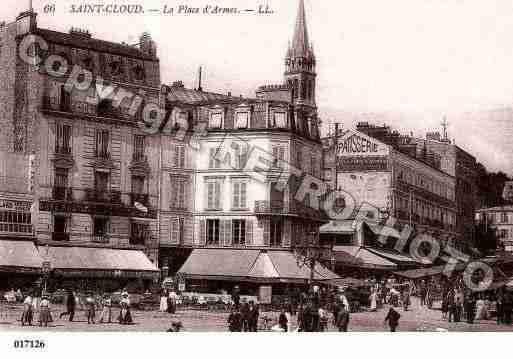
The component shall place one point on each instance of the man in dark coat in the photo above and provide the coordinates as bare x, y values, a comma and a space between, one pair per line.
236, 298
244, 312
342, 319
70, 306
393, 319
254, 314
470, 309
235, 321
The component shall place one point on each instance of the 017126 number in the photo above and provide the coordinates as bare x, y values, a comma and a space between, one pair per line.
29, 344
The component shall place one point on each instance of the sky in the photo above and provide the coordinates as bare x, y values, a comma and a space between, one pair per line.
408, 63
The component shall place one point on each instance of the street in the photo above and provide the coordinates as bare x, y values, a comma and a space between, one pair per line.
416, 319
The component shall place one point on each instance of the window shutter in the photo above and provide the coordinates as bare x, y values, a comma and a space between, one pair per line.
175, 156
211, 158
267, 229
221, 232
175, 227
249, 232
202, 233
242, 199
287, 227
173, 197
182, 157
228, 233
217, 195
210, 195
236, 195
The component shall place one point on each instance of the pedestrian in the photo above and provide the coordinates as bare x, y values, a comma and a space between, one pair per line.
406, 299
452, 306
393, 319
507, 308
445, 306
171, 302
45, 315
323, 319
342, 320
423, 293
500, 307
373, 301
71, 304
125, 316
235, 321
163, 301
245, 314
106, 315
458, 309
175, 327
283, 321
300, 320
253, 317
236, 297
470, 308
90, 303
28, 313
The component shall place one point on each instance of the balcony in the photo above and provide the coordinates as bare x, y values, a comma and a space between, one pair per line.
56, 105
60, 237
139, 197
62, 194
270, 207
101, 238
100, 196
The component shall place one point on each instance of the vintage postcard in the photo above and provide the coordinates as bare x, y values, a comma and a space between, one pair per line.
279, 166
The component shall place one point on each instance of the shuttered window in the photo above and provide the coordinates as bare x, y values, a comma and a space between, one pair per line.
179, 156
278, 156
102, 144
178, 193
239, 232
239, 195
213, 162
139, 148
214, 195
177, 231
63, 139
213, 232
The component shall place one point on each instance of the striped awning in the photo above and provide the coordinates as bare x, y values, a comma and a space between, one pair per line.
354, 256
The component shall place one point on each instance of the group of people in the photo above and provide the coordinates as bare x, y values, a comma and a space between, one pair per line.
168, 301
244, 317
92, 303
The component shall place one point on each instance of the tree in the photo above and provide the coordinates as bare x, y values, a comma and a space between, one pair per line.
490, 186
486, 239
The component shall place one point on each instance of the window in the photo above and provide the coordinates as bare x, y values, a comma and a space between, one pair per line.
216, 120
138, 185
242, 119
241, 156
179, 157
503, 234
60, 226
504, 217
178, 193
101, 181
101, 229
278, 156
313, 165
139, 148
63, 139
61, 177
15, 222
139, 234
213, 162
177, 230
276, 231
280, 120
213, 232
299, 159
102, 144
214, 195
239, 195
239, 232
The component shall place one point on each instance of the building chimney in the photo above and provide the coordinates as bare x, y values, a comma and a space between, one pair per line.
147, 45
200, 88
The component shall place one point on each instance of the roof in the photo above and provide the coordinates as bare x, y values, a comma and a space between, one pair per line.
195, 97
497, 209
103, 259
19, 254
431, 271
85, 42
250, 265
393, 256
342, 227
300, 41
361, 257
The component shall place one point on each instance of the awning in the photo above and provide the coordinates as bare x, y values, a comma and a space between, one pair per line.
381, 230
338, 227
250, 266
19, 256
394, 257
432, 271
99, 262
348, 282
354, 256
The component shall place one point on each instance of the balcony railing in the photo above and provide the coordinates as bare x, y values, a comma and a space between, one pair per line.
62, 194
60, 237
15, 228
96, 195
101, 238
139, 197
269, 207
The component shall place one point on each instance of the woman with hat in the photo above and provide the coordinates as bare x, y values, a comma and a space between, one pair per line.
44, 311
26, 317
106, 316
125, 317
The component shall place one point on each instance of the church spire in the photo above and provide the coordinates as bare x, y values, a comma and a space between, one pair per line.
300, 42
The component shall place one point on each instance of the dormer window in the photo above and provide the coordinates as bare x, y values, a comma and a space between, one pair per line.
242, 120
280, 120
216, 119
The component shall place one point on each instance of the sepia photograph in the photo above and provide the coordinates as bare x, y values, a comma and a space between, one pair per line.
284, 166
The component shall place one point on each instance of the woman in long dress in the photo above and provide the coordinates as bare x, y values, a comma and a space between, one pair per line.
28, 313
480, 309
106, 315
163, 302
44, 312
373, 301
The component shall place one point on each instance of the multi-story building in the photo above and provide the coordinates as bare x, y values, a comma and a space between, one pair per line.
95, 172
500, 219
389, 181
241, 216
